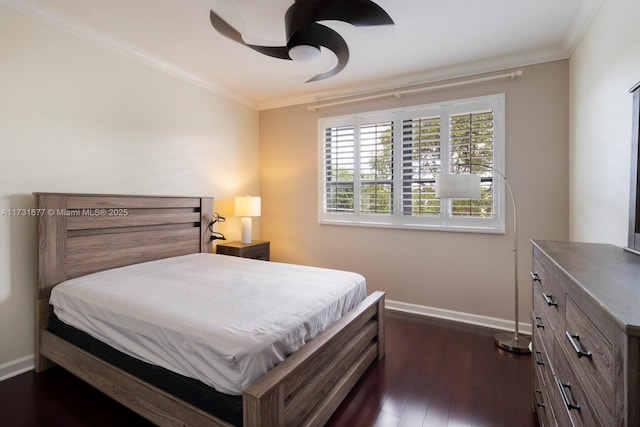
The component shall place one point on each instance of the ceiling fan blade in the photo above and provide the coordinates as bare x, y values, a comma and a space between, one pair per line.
354, 12
318, 35
224, 28
229, 32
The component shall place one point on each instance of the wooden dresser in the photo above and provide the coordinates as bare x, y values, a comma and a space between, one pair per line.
586, 334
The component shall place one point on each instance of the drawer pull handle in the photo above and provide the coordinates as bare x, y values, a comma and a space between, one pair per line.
538, 322
539, 401
548, 298
573, 340
535, 277
565, 397
538, 357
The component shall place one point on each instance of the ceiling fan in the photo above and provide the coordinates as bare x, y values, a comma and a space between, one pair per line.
305, 35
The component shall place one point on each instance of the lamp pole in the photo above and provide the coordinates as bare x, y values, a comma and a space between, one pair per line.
505, 340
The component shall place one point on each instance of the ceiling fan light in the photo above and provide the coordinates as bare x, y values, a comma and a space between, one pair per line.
304, 53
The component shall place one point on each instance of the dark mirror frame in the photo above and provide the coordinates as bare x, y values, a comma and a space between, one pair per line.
634, 194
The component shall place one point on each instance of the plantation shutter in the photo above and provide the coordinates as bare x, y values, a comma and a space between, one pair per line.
471, 138
339, 167
376, 168
420, 165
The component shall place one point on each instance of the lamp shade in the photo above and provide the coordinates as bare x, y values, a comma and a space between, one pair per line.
458, 186
247, 206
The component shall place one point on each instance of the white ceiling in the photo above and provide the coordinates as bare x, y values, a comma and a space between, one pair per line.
431, 40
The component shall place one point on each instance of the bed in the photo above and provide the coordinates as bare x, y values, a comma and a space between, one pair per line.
80, 234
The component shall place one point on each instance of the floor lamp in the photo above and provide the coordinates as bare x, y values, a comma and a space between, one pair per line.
467, 186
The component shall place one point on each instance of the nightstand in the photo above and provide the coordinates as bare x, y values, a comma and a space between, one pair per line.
255, 250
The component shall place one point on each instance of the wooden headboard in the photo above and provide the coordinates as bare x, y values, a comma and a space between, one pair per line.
83, 233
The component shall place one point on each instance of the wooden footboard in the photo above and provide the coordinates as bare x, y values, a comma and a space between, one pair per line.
309, 385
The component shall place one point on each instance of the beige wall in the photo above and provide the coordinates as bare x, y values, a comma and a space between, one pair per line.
76, 117
463, 272
603, 68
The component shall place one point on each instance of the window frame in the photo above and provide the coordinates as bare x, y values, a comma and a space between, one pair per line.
397, 219
634, 187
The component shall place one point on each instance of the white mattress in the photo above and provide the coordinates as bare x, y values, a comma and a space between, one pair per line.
222, 320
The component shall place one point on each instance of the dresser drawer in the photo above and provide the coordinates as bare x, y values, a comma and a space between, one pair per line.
542, 328
543, 374
542, 401
591, 357
542, 357
552, 294
572, 396
560, 414
260, 253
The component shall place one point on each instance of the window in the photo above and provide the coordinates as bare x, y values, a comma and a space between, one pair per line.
379, 168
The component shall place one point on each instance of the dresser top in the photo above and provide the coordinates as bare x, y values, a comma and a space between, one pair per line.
609, 274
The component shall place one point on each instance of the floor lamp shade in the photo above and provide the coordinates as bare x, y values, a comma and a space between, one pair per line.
247, 207
458, 186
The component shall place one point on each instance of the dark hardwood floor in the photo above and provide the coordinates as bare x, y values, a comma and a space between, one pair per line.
435, 373
439, 373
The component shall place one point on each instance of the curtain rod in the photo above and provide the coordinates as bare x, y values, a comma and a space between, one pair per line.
398, 93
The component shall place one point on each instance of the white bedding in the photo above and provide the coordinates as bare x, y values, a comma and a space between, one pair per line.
220, 319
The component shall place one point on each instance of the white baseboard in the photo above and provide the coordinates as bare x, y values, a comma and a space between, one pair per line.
16, 367
457, 316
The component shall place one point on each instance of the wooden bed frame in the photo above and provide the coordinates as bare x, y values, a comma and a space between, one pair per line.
84, 233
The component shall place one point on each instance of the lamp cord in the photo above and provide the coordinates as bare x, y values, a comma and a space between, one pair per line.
216, 235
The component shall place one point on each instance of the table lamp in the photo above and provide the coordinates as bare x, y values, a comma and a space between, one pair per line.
247, 207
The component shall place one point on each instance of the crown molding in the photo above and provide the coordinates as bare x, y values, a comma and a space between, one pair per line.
580, 25
34, 10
